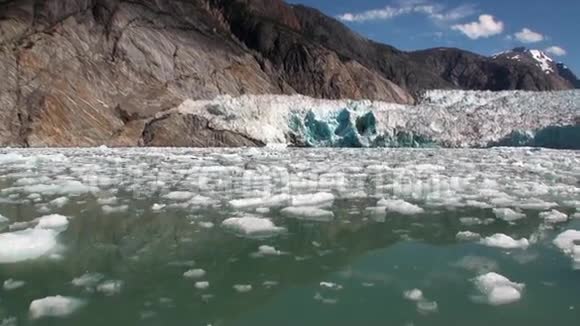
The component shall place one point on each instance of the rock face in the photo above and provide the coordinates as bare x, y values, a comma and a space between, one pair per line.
92, 72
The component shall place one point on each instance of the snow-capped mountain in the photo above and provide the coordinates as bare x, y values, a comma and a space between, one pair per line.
541, 60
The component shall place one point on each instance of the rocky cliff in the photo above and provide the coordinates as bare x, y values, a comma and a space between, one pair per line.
92, 72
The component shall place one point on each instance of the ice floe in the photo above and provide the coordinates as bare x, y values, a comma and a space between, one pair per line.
110, 287
468, 236
554, 216
202, 285
500, 240
55, 306
498, 289
308, 213
194, 273
26, 245
317, 199
88, 280
569, 242
400, 206
254, 227
53, 222
242, 288
508, 214
11, 284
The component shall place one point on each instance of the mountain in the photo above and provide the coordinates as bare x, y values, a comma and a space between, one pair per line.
92, 72
567, 74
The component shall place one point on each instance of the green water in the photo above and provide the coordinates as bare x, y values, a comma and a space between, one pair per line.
371, 259
373, 262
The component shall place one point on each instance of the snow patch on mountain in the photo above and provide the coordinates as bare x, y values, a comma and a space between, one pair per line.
544, 61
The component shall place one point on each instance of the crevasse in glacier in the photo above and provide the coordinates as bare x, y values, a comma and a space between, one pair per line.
442, 118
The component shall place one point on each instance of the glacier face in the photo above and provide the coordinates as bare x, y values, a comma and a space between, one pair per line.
442, 118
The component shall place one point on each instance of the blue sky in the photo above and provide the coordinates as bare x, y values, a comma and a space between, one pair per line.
484, 26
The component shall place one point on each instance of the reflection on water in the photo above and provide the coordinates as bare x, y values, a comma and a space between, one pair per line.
351, 270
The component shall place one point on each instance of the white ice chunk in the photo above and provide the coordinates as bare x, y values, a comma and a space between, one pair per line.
4, 220
252, 226
498, 290
110, 287
567, 240
57, 306
114, 209
53, 222
265, 250
554, 216
317, 199
179, 195
500, 240
194, 273
308, 213
59, 202
400, 206
157, 207
263, 202
11, 284
202, 285
88, 280
468, 236
242, 288
331, 286
413, 295
26, 245
508, 214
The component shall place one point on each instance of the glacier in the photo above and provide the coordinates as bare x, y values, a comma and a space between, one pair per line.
442, 118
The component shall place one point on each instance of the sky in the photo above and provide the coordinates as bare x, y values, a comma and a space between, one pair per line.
482, 26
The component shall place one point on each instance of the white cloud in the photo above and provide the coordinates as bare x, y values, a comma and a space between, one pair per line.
556, 50
528, 36
434, 11
486, 26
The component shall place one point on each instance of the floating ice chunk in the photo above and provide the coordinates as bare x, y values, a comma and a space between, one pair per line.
262, 210
242, 288
413, 295
88, 280
317, 199
308, 213
57, 306
202, 285
253, 227
194, 273
53, 222
107, 201
537, 204
67, 187
508, 214
427, 307
331, 286
264, 202
400, 206
567, 240
576, 215
206, 225
59, 202
270, 284
500, 240
470, 221
115, 209
468, 236
554, 216
11, 284
4, 220
110, 287
157, 207
265, 250
179, 195
26, 245
498, 290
